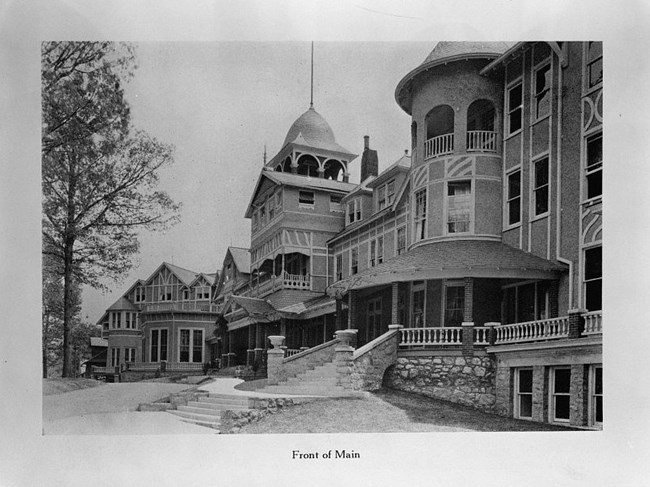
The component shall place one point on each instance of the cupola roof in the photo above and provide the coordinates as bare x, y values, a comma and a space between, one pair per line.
313, 128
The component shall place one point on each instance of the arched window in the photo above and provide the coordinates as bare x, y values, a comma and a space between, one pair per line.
334, 170
440, 131
481, 135
286, 165
308, 166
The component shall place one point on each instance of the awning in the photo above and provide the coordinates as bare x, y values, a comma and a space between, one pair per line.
453, 260
241, 323
310, 309
259, 309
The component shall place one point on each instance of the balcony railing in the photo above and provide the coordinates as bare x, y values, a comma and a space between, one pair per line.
169, 366
530, 331
431, 336
481, 141
283, 281
593, 323
438, 146
181, 306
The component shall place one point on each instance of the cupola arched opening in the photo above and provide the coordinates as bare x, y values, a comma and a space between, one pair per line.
334, 170
308, 165
286, 165
440, 131
481, 122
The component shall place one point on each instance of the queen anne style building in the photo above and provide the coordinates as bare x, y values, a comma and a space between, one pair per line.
469, 270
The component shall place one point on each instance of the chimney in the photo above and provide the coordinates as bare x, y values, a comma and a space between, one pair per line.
369, 160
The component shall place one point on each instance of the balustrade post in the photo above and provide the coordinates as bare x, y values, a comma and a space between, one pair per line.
274, 359
576, 322
492, 332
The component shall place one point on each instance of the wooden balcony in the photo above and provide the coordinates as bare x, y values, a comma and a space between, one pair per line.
481, 141
283, 281
439, 146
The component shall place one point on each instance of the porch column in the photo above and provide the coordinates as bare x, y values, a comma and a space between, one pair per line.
257, 357
338, 325
468, 312
394, 317
283, 327
249, 350
468, 318
553, 293
352, 307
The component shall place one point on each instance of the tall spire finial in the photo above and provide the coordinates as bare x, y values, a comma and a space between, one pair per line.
265, 154
311, 101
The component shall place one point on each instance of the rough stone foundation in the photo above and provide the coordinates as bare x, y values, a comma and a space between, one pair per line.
463, 380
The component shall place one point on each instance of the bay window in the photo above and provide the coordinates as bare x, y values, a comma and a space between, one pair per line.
421, 215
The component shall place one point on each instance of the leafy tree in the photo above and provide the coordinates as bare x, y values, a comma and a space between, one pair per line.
100, 175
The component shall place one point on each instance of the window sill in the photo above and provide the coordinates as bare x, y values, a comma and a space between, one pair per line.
514, 226
541, 216
593, 201
514, 134
305, 206
540, 119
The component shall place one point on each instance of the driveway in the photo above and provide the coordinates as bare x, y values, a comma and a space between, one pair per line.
110, 409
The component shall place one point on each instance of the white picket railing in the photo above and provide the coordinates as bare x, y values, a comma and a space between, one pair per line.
438, 146
481, 141
481, 335
532, 330
293, 281
593, 323
431, 336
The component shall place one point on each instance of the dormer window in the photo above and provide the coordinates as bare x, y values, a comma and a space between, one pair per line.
354, 211
306, 198
139, 294
385, 195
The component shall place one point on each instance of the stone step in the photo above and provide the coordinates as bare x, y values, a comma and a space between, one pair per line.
314, 382
305, 391
218, 405
223, 399
192, 408
197, 418
319, 374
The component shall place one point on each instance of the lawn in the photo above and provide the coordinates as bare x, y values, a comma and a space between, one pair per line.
61, 385
386, 411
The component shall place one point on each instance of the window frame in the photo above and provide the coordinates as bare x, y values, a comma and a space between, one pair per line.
159, 344
553, 395
400, 250
588, 63
511, 110
355, 215
594, 403
537, 188
304, 201
470, 209
354, 259
519, 394
418, 287
510, 199
192, 331
452, 283
115, 356
595, 168
338, 267
586, 281
537, 93
420, 232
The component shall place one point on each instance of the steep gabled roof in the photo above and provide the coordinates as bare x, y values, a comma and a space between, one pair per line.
123, 304
402, 164
242, 259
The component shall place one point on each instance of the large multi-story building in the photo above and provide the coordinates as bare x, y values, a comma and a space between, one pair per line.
483, 246
161, 322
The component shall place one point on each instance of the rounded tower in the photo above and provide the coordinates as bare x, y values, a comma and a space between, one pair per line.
456, 132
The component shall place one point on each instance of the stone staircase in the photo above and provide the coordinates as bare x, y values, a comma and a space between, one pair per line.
207, 410
322, 380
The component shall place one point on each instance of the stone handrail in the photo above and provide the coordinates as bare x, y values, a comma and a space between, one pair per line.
373, 344
310, 351
529, 331
593, 323
438, 336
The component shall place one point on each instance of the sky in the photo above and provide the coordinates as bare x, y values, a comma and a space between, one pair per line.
221, 103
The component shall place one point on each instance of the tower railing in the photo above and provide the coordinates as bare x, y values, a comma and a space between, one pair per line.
438, 146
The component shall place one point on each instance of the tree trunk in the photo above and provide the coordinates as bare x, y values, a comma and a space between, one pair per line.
68, 263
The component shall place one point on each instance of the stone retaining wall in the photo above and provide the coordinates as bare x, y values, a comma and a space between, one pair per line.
232, 421
463, 380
